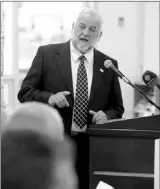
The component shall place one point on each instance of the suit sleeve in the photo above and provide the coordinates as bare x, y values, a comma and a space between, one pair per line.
115, 107
31, 88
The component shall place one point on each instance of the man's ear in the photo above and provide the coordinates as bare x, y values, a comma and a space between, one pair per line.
100, 35
73, 26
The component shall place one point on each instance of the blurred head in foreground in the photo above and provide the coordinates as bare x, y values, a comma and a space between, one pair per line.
35, 152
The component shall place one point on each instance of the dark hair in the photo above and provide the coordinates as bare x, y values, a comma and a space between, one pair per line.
28, 160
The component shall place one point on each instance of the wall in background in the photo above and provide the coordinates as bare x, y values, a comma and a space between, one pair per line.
131, 35
151, 37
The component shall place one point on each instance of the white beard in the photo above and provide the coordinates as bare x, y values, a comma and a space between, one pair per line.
83, 46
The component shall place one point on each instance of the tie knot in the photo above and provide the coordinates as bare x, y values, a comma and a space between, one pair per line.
82, 58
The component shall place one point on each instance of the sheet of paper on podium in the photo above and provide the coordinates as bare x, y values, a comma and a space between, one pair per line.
103, 185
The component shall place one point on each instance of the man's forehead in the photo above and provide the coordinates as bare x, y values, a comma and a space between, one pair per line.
91, 21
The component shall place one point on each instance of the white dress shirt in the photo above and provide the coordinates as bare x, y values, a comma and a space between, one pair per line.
75, 54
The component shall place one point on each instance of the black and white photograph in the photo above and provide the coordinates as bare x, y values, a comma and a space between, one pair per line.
80, 94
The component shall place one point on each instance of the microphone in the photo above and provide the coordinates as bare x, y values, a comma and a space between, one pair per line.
151, 79
108, 64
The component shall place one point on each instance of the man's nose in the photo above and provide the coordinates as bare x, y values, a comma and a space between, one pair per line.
86, 32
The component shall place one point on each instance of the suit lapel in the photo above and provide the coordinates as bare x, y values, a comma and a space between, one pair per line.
64, 64
97, 75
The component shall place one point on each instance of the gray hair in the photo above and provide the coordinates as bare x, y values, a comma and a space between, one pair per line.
90, 11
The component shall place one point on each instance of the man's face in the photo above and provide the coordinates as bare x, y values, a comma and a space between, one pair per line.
86, 32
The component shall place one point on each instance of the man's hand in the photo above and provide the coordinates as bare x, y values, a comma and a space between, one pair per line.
98, 117
59, 99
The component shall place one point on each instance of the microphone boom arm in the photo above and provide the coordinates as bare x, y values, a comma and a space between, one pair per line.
128, 82
108, 64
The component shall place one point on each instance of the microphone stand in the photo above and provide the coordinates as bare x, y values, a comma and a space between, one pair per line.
126, 80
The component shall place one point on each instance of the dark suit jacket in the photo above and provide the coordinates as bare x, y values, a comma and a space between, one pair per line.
51, 73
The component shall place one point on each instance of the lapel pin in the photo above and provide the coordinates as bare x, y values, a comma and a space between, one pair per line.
101, 70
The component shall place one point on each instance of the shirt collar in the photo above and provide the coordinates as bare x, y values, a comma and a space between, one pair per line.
76, 54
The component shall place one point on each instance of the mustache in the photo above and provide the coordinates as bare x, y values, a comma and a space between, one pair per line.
92, 43
84, 38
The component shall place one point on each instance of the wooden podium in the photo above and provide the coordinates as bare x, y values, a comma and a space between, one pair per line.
122, 153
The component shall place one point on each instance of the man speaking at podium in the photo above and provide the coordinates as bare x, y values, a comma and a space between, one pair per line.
72, 78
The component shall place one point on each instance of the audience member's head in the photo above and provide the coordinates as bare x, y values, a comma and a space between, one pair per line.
36, 117
35, 152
